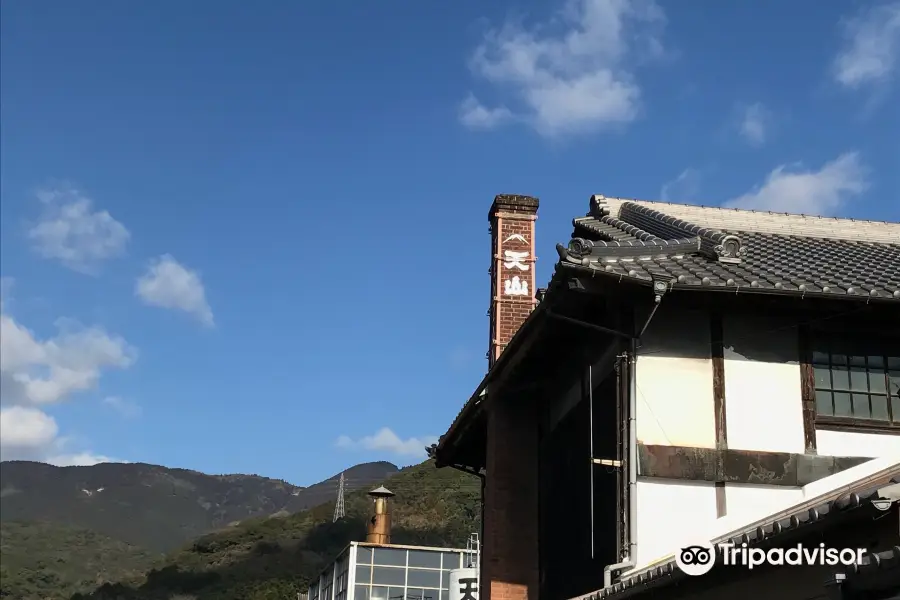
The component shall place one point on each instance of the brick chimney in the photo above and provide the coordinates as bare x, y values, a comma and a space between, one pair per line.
512, 219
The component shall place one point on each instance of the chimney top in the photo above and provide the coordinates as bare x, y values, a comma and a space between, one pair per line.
381, 492
514, 203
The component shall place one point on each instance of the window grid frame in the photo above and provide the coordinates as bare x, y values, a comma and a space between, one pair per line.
826, 347
437, 593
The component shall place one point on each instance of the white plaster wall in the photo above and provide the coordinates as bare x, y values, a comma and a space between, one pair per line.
763, 403
750, 502
842, 443
674, 381
669, 515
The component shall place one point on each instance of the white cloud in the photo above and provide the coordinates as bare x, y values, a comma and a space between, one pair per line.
26, 428
35, 373
71, 231
573, 74
386, 440
126, 408
683, 188
44, 372
871, 42
168, 284
754, 124
81, 459
475, 115
824, 192
28, 433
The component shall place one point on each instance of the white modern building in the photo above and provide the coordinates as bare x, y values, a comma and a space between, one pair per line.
364, 571
379, 570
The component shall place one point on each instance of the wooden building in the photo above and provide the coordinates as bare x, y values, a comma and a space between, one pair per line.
685, 364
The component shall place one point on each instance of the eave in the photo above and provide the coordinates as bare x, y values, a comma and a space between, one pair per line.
446, 452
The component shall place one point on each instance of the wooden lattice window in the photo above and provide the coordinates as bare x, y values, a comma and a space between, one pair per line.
856, 383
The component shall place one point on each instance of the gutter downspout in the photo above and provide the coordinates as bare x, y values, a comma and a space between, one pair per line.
630, 561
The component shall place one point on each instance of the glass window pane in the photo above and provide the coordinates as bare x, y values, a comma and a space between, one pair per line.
857, 361
395, 593
421, 578
445, 595
894, 383
431, 594
820, 357
876, 363
880, 408
893, 362
363, 573
391, 557
378, 593
895, 408
451, 559
423, 558
877, 382
840, 379
861, 406
823, 403
842, 405
823, 376
838, 359
388, 575
363, 555
414, 594
361, 592
859, 382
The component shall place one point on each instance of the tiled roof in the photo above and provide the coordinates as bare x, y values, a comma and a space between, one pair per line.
728, 249
737, 250
863, 495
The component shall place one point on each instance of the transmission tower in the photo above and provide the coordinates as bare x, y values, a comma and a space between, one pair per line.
339, 505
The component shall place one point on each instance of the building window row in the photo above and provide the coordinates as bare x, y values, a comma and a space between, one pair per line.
856, 386
378, 592
401, 557
401, 576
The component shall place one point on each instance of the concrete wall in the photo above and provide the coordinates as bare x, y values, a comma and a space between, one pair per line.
763, 411
844, 443
674, 513
762, 385
674, 381
750, 502
669, 515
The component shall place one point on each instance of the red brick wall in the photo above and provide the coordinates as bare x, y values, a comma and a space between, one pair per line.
512, 231
510, 555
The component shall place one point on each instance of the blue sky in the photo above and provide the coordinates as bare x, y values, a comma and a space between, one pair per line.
247, 237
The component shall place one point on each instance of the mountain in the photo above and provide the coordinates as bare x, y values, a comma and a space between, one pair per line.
157, 508
363, 476
276, 557
46, 560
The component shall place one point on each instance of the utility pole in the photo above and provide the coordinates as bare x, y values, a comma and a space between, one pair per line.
339, 505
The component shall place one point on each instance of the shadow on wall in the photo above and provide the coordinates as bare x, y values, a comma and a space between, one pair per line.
760, 339
677, 332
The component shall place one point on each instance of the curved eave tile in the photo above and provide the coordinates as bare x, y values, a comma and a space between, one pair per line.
641, 269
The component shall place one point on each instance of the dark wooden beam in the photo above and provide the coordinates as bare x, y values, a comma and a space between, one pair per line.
739, 466
717, 355
807, 390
